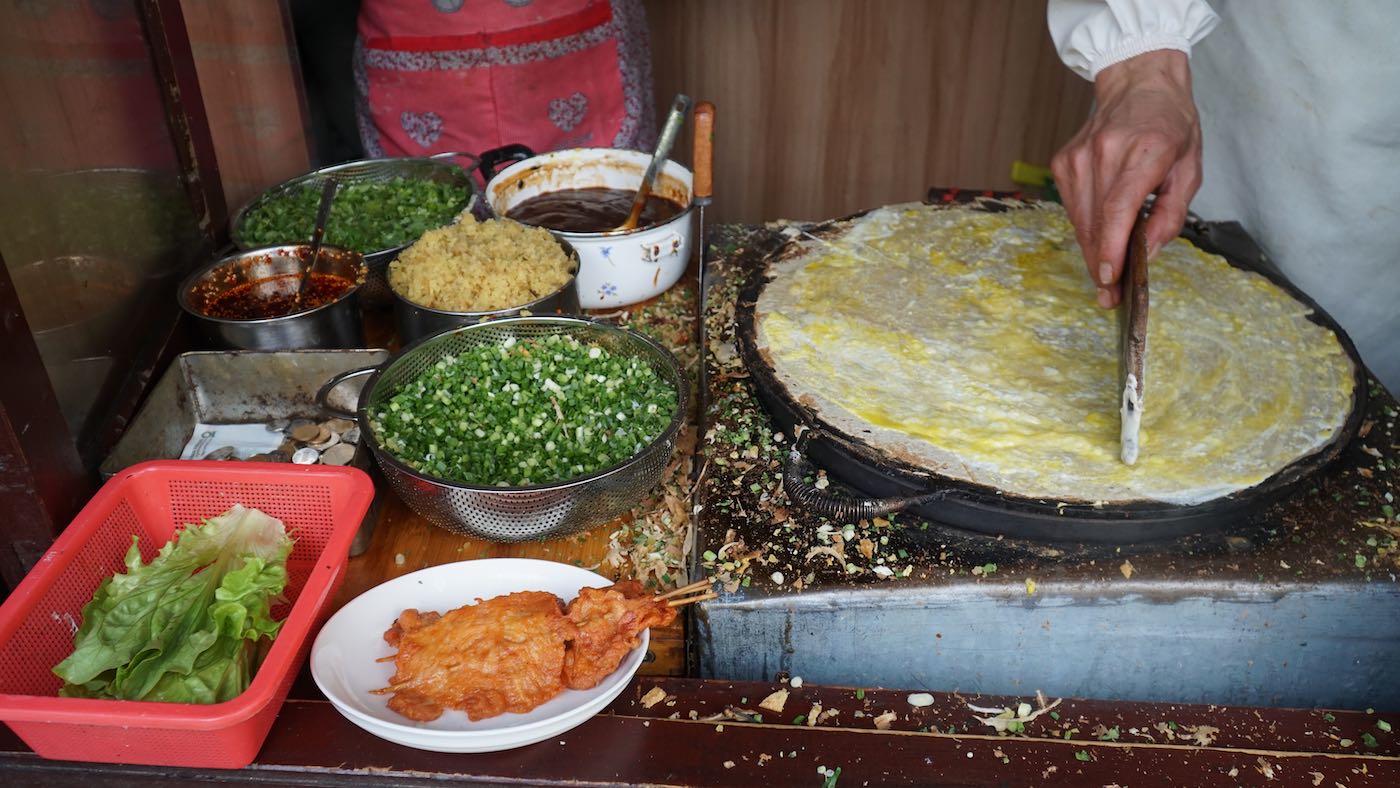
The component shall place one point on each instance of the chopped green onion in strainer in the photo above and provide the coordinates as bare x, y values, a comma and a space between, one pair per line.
525, 412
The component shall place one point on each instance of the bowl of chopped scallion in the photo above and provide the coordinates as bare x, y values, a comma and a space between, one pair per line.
526, 427
381, 206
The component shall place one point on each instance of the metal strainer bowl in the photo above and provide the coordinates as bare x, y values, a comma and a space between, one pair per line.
514, 514
437, 168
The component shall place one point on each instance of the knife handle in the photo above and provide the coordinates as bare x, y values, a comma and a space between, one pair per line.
703, 159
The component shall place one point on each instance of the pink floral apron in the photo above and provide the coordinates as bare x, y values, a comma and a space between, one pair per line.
470, 75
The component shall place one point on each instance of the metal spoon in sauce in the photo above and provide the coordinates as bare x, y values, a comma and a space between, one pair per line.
317, 233
663, 149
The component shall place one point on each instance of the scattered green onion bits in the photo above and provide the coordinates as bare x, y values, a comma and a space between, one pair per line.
526, 412
367, 217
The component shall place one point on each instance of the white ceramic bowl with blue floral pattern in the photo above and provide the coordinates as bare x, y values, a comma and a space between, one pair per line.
615, 268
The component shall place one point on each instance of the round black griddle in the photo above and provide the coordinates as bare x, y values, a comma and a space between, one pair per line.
984, 509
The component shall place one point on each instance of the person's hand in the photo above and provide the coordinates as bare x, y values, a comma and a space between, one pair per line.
1143, 136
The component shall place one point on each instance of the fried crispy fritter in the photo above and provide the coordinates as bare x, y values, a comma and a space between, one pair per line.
610, 621
498, 655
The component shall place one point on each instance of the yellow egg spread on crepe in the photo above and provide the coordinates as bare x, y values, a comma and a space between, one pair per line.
971, 342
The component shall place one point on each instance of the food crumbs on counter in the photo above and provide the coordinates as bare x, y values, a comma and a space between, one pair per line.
813, 715
1204, 735
920, 699
1030, 587
651, 545
1265, 768
884, 721
399, 559
654, 696
796, 681
1127, 569
729, 764
775, 701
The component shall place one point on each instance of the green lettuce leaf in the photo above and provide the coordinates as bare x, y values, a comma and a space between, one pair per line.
186, 627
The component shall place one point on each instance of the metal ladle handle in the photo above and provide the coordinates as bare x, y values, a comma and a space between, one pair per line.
323, 214
679, 107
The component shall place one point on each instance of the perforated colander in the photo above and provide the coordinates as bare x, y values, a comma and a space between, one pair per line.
513, 514
438, 168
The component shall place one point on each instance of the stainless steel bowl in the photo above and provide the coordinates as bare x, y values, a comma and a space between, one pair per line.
331, 325
438, 168
514, 514
415, 321
76, 305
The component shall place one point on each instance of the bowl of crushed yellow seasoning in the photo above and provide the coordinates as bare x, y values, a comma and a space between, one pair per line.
471, 271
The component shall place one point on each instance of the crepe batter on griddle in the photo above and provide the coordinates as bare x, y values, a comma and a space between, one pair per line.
970, 342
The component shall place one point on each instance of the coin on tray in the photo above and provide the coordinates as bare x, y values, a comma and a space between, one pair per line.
306, 457
222, 453
321, 445
338, 426
306, 433
339, 454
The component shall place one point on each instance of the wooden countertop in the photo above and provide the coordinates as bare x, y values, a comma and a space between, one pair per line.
689, 732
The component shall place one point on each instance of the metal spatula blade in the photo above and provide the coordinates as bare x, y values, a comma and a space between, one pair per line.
1132, 332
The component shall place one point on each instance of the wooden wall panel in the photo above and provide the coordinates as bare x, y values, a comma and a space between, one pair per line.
248, 72
826, 107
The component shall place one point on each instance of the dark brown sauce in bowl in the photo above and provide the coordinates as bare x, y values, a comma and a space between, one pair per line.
593, 210
275, 296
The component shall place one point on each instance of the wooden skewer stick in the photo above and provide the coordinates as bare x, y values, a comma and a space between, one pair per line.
689, 600
696, 586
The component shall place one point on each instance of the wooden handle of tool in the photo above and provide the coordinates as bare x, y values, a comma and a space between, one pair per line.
703, 160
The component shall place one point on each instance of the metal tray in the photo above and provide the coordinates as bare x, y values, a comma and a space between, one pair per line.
243, 387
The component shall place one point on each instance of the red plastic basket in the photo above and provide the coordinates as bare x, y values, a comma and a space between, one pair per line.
321, 506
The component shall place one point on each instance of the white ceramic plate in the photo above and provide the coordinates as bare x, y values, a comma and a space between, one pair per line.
343, 658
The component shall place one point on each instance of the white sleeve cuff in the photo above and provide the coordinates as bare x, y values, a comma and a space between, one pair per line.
1091, 35
1139, 45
